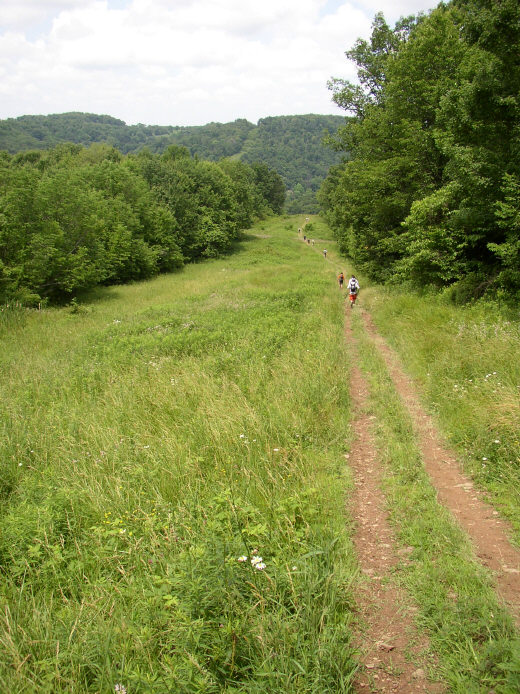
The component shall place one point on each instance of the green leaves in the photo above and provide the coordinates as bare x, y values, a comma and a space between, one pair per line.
72, 218
436, 129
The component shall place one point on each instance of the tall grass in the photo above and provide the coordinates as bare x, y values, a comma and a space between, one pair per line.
152, 437
466, 360
471, 634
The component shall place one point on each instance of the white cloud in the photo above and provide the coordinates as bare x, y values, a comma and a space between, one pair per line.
187, 62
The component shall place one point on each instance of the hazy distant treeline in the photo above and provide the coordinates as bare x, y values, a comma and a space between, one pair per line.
73, 217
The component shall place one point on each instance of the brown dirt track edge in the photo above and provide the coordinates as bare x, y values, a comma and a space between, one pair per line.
490, 534
393, 655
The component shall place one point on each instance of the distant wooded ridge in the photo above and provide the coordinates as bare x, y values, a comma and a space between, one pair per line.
291, 145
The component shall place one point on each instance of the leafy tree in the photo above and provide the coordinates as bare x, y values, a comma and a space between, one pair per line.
507, 251
270, 185
433, 148
71, 218
250, 202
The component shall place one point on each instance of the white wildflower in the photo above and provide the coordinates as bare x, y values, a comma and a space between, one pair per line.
242, 558
484, 458
256, 560
260, 566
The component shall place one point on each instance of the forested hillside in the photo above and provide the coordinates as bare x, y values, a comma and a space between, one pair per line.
212, 141
72, 217
292, 145
430, 195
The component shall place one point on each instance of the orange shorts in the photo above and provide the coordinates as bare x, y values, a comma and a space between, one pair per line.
353, 297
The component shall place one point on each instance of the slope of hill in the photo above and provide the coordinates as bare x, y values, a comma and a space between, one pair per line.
292, 145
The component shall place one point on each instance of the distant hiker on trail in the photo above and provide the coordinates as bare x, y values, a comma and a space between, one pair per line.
313, 242
353, 289
304, 238
299, 231
324, 252
341, 279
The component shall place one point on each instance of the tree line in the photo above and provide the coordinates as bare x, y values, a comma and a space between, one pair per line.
291, 145
429, 192
73, 217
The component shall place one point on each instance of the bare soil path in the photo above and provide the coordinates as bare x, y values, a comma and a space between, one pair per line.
393, 654
489, 533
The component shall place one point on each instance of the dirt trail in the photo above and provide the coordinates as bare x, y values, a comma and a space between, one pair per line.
489, 534
392, 652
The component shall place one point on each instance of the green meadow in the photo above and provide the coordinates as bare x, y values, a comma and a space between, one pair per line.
174, 492
173, 482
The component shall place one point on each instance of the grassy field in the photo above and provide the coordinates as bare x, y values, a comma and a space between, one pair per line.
173, 492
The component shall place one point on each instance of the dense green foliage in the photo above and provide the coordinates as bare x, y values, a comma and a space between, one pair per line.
72, 218
291, 145
213, 141
430, 194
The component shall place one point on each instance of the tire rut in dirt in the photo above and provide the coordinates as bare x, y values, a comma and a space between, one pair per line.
489, 533
393, 653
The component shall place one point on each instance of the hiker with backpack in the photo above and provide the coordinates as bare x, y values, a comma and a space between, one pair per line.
353, 288
341, 279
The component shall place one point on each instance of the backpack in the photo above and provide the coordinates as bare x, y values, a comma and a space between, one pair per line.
352, 285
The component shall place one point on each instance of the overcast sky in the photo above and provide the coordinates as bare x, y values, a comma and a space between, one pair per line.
181, 62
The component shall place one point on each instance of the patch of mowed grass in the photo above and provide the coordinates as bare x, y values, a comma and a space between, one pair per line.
150, 440
472, 637
466, 360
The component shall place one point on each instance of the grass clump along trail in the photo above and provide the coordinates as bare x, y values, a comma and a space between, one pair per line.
152, 439
471, 633
466, 362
